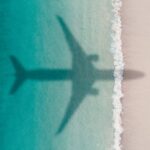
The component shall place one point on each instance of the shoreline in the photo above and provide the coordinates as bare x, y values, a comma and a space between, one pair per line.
116, 49
136, 51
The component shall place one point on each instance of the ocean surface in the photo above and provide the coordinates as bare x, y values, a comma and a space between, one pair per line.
32, 33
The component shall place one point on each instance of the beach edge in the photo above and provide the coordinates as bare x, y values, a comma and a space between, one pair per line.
116, 49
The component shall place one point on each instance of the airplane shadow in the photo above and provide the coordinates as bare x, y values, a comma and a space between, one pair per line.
83, 74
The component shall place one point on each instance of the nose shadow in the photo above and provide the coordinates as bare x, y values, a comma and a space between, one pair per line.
132, 74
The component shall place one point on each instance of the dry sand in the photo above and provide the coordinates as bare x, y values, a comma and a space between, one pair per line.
136, 48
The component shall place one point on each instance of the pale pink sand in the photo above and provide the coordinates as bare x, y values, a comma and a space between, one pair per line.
136, 48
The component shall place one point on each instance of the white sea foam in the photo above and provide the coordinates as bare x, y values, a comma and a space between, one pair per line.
116, 49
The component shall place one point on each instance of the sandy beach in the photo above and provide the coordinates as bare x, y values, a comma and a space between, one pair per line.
136, 48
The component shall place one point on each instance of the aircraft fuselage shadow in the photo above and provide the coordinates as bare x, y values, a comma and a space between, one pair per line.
82, 81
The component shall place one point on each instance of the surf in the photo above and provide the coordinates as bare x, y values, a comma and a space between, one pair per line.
116, 49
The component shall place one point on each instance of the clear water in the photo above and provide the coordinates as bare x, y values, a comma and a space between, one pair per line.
30, 31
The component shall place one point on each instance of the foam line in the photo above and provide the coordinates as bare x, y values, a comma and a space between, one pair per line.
116, 49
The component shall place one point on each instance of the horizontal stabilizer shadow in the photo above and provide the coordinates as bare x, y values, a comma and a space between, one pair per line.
20, 74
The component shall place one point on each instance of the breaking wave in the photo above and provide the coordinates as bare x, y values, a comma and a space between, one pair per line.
116, 49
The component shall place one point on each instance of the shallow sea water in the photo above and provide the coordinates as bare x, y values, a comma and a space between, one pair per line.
30, 118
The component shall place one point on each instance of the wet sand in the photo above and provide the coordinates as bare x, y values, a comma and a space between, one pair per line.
136, 48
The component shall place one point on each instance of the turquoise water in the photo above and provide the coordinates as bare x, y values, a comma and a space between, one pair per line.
30, 118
